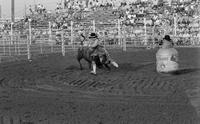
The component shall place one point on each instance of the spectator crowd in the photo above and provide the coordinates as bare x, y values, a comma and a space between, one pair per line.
160, 14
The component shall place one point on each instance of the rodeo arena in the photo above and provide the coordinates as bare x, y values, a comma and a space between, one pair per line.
101, 62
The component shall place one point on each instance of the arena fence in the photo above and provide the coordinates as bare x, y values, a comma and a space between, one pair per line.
113, 34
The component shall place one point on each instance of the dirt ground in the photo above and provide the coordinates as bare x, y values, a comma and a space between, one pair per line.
52, 90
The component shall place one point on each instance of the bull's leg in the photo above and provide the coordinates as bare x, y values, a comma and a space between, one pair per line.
89, 65
98, 61
108, 67
81, 67
104, 59
89, 62
79, 57
107, 59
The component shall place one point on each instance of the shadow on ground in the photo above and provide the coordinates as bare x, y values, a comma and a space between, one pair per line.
185, 71
134, 67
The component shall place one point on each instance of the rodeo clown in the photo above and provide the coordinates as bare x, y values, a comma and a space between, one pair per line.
98, 49
167, 56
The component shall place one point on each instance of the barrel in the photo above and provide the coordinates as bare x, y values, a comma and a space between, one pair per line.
167, 60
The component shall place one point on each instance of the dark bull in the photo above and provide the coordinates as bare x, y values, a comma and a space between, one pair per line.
85, 52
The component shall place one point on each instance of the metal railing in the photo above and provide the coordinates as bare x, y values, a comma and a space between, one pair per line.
32, 41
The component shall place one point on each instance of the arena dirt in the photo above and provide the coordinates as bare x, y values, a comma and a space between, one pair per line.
52, 90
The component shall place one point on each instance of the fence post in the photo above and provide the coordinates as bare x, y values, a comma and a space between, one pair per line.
9, 47
41, 49
145, 31
124, 41
18, 44
63, 43
175, 25
11, 33
93, 25
72, 34
50, 37
30, 35
11, 38
104, 40
15, 43
28, 48
4, 46
119, 31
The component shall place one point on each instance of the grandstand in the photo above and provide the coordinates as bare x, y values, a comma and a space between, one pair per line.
161, 17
